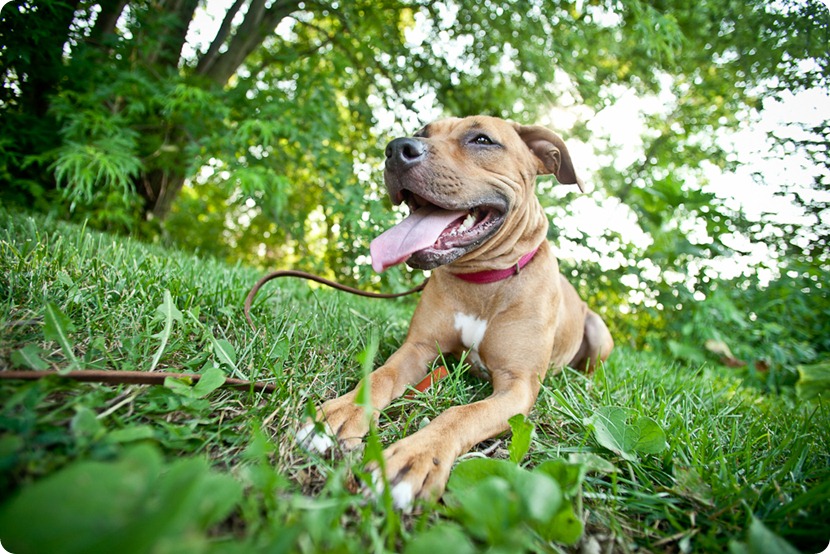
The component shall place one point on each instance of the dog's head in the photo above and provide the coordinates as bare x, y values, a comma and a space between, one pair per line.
462, 179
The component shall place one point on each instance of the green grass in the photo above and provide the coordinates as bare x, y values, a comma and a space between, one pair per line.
94, 466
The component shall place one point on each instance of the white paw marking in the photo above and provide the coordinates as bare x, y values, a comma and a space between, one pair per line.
376, 488
402, 496
307, 437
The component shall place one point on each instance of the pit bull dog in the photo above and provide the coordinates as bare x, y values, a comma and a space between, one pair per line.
495, 292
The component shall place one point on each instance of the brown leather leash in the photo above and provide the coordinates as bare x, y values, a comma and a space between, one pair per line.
249, 300
158, 377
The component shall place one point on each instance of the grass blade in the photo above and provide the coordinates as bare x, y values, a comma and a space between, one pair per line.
57, 328
168, 313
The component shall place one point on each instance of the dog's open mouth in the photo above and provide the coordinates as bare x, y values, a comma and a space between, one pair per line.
432, 236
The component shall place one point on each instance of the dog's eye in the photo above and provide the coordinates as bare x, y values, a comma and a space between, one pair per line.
482, 139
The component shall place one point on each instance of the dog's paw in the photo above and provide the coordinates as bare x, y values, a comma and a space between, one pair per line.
344, 425
415, 470
311, 439
402, 493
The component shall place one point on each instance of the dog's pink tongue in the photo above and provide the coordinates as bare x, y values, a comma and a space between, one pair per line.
418, 231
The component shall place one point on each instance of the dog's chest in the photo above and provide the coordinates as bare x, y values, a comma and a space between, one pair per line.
471, 331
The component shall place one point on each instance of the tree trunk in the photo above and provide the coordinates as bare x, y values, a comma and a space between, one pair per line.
159, 188
181, 14
104, 28
40, 74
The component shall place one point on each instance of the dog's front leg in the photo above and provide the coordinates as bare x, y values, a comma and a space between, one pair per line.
347, 420
419, 466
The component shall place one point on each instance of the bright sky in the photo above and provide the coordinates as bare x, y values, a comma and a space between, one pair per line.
621, 125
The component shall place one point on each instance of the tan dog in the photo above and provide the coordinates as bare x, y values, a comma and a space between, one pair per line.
495, 291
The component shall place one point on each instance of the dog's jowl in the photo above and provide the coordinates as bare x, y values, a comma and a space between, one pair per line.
495, 291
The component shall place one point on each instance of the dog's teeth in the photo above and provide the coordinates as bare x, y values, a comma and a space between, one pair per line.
468, 222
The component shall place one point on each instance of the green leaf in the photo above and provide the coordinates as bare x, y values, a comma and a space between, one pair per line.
592, 462
441, 538
183, 386
626, 433
167, 313
85, 424
57, 328
29, 357
761, 540
813, 380
131, 434
501, 510
540, 495
212, 378
136, 503
225, 353
469, 473
522, 434
565, 527
690, 484
568, 475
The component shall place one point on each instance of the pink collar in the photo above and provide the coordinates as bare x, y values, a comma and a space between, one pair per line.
493, 275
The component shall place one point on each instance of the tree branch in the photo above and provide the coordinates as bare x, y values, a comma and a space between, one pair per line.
209, 57
258, 24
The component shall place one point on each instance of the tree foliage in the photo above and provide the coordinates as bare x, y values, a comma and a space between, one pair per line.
263, 141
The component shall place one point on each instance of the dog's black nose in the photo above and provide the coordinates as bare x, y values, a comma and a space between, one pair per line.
403, 153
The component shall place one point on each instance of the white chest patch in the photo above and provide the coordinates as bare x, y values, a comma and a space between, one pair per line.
471, 328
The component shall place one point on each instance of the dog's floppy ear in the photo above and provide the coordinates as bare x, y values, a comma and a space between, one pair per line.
552, 153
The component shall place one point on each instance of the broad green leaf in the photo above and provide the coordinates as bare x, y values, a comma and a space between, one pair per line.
130, 434
441, 538
85, 424
167, 313
65, 279
182, 386
522, 434
690, 484
57, 327
469, 473
592, 462
813, 380
626, 433
29, 357
565, 527
652, 438
225, 353
488, 509
212, 378
567, 474
540, 495
760, 540
133, 504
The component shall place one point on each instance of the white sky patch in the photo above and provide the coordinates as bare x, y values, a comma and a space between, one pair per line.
622, 124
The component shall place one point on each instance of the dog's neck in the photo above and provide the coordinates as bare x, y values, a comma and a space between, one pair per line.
527, 231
